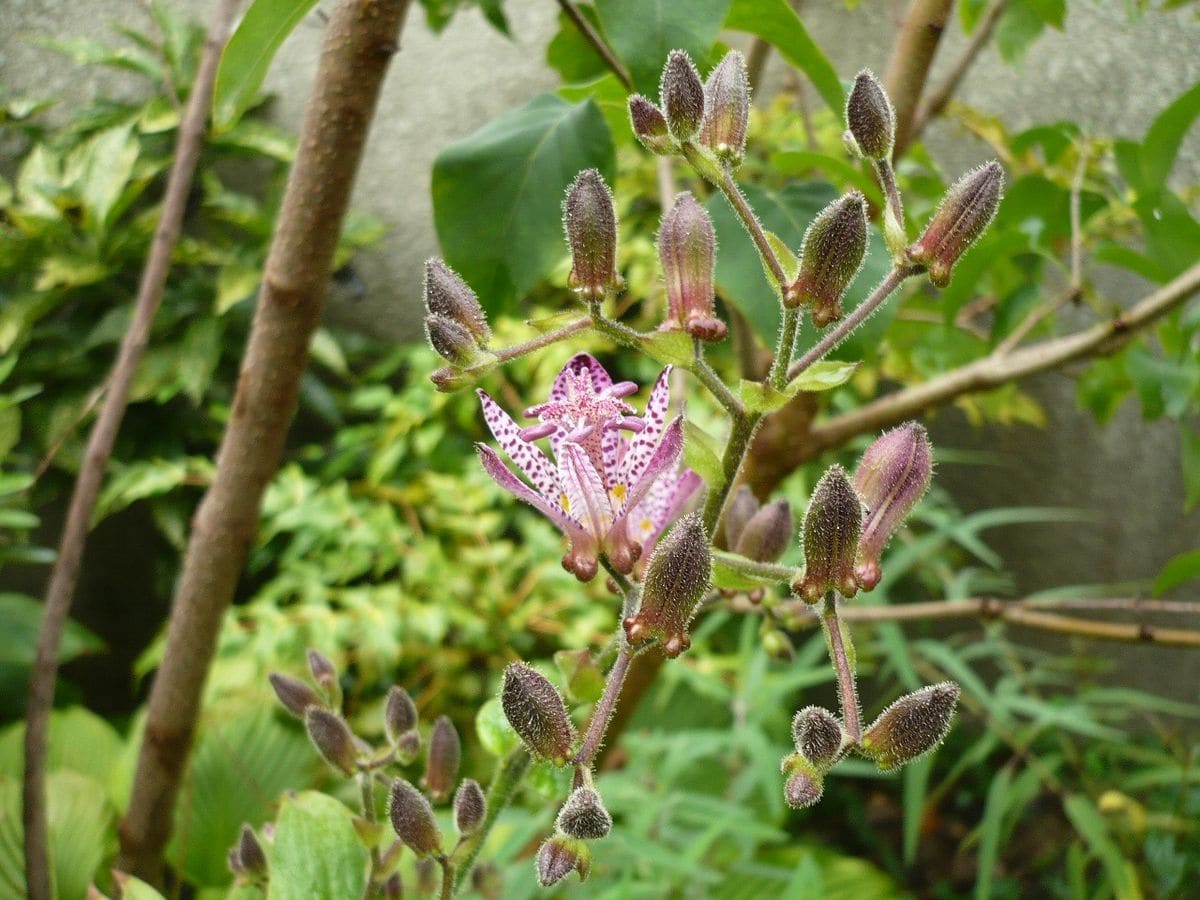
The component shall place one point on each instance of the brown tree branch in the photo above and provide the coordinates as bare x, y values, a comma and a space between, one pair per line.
597, 42
360, 38
912, 55
64, 577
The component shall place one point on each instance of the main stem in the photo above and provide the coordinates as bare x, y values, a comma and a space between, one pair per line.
500, 793
777, 376
838, 652
605, 708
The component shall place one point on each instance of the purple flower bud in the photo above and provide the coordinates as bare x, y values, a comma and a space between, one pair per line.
818, 736
412, 817
558, 856
835, 245
428, 877
332, 738
912, 726
682, 96
741, 510
399, 713
870, 117
250, 856
295, 695
450, 379
583, 816
678, 575
727, 108
408, 746
393, 888
804, 785
486, 881
892, 476
832, 525
964, 214
687, 246
650, 126
768, 532
537, 713
447, 295
441, 764
450, 340
470, 807
323, 671
590, 221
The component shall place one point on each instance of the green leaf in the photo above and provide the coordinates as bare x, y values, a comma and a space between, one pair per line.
1091, 827
316, 852
79, 741
1165, 136
1017, 29
990, 831
497, 194
803, 162
787, 259
22, 618
702, 453
671, 348
914, 795
820, 376
106, 164
569, 53
248, 55
1190, 459
644, 32
776, 22
730, 578
136, 889
495, 734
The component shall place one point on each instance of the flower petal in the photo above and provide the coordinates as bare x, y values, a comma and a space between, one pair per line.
580, 362
641, 446
664, 457
587, 498
660, 506
528, 457
494, 466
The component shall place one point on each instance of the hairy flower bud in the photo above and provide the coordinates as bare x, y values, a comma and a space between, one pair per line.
408, 746
428, 876
912, 726
447, 295
412, 818
768, 532
558, 856
870, 117
249, 852
832, 525
332, 738
964, 214
537, 713
738, 513
727, 108
295, 695
650, 126
804, 785
590, 221
441, 764
892, 476
583, 816
486, 881
687, 247
678, 575
682, 96
818, 736
470, 807
450, 340
835, 245
399, 713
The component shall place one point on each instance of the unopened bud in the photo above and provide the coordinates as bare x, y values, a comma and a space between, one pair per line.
583, 816
835, 245
912, 726
412, 818
804, 785
393, 888
408, 746
470, 807
870, 117
741, 509
446, 294
678, 575
727, 108
441, 764
450, 340
832, 525
487, 882
558, 857
428, 879
687, 247
768, 532
295, 695
250, 855
964, 214
323, 671
775, 643
590, 221
682, 96
818, 736
399, 713
892, 476
332, 738
449, 379
537, 713
650, 126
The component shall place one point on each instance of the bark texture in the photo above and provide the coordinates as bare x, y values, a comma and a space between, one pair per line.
912, 55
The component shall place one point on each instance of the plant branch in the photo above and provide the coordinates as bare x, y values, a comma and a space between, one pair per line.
741, 206
509, 773
597, 43
360, 38
912, 55
708, 377
447, 876
741, 430
544, 340
777, 377
839, 652
605, 707
64, 577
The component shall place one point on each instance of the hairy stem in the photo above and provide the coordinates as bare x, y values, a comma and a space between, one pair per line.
605, 707
447, 877
708, 377
509, 773
741, 430
839, 652
544, 340
777, 376
774, 571
753, 227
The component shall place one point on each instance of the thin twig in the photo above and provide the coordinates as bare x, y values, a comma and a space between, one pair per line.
605, 707
64, 577
509, 773
912, 55
711, 380
544, 340
839, 652
741, 206
597, 43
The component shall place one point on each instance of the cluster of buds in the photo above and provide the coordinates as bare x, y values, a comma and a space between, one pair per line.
757, 531
455, 325
687, 247
676, 580
820, 741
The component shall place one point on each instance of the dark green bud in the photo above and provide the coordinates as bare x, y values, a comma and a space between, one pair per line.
558, 857
470, 807
650, 126
912, 726
536, 711
832, 525
295, 695
442, 761
583, 816
741, 509
590, 221
818, 736
682, 96
447, 295
964, 214
870, 117
676, 579
835, 245
768, 533
412, 818
804, 785
727, 108
332, 738
399, 714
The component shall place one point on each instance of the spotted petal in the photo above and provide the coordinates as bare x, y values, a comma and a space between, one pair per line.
662, 503
586, 496
528, 457
643, 444
664, 457
494, 466
578, 363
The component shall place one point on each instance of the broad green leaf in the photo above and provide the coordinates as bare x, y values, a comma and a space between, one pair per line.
820, 376
87, 52
316, 852
1172, 232
644, 32
79, 741
497, 194
248, 55
612, 98
671, 348
105, 164
22, 617
235, 282
1052, 12
495, 734
1017, 29
776, 22
702, 453
569, 53
1165, 136
1091, 827
148, 478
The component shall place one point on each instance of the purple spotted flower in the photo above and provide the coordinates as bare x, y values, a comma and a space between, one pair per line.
614, 481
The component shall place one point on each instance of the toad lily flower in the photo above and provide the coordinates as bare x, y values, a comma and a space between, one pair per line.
614, 482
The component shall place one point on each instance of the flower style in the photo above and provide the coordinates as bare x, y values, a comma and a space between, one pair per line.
614, 482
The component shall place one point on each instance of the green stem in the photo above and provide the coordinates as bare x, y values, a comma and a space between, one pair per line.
708, 377
753, 227
500, 794
543, 340
610, 328
447, 877
777, 377
366, 786
839, 652
773, 571
740, 432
